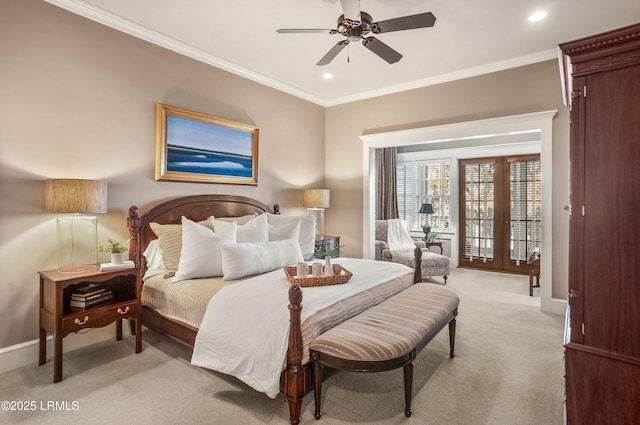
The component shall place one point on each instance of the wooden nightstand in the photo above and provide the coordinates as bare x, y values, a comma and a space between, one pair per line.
327, 245
60, 319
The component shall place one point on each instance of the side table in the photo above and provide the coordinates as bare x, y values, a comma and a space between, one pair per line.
60, 319
327, 246
435, 243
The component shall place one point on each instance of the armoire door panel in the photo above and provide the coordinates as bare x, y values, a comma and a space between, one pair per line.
576, 219
601, 389
611, 211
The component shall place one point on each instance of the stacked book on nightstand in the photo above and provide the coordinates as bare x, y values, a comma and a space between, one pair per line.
89, 295
117, 266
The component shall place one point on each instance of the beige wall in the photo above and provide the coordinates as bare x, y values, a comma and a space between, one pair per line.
77, 100
533, 88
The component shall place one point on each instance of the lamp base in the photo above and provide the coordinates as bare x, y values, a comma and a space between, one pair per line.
79, 269
426, 229
77, 244
319, 214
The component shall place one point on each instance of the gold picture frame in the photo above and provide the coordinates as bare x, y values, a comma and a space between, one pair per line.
194, 147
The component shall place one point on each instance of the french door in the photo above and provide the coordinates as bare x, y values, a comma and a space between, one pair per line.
501, 212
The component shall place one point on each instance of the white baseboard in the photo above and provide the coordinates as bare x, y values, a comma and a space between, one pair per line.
26, 353
555, 306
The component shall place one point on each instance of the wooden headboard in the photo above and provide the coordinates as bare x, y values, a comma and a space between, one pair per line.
196, 208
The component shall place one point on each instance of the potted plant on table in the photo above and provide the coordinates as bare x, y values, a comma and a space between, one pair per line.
432, 236
117, 250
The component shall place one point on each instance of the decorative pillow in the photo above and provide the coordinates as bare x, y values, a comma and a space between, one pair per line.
307, 236
170, 237
254, 230
240, 219
286, 231
154, 261
200, 253
246, 259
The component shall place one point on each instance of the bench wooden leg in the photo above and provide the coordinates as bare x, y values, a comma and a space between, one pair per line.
317, 387
452, 338
295, 407
408, 386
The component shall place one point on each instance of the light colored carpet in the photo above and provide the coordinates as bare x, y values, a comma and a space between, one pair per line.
508, 370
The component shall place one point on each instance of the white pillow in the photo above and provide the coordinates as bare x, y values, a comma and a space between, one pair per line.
246, 259
254, 230
286, 231
154, 261
170, 237
307, 236
200, 255
240, 219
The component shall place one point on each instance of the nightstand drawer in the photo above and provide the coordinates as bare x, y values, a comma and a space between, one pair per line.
99, 316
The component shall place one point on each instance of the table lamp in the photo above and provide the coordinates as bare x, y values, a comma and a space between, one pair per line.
77, 234
426, 209
316, 200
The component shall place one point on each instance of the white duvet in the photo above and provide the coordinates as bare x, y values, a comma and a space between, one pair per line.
245, 328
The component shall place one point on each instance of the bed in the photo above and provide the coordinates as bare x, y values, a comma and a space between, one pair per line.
296, 377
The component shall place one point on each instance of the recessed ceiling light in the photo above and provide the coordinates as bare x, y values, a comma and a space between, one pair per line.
327, 75
538, 16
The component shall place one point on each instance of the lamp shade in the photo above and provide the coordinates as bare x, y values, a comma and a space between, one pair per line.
76, 196
77, 235
426, 209
315, 198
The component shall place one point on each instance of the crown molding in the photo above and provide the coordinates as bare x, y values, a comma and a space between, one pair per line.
116, 22
94, 13
445, 78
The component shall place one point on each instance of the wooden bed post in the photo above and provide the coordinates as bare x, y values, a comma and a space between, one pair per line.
133, 223
294, 375
417, 277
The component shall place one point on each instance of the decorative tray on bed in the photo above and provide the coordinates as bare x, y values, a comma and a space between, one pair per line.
340, 275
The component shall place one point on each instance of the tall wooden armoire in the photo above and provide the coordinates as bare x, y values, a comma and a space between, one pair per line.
602, 356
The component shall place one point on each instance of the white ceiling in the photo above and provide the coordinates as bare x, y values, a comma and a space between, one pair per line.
470, 37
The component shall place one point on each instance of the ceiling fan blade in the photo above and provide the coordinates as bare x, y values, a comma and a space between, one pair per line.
351, 9
422, 20
308, 30
381, 49
332, 53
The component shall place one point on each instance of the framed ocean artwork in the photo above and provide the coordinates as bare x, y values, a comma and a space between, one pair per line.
194, 147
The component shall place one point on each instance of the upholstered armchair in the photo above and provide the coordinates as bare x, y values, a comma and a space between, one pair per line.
432, 264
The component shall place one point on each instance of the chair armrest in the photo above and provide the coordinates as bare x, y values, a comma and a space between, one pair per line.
381, 246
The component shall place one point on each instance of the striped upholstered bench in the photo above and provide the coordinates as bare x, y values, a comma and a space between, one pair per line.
387, 336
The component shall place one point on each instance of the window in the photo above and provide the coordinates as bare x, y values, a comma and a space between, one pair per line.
418, 182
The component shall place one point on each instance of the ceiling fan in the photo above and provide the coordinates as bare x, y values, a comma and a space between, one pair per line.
355, 24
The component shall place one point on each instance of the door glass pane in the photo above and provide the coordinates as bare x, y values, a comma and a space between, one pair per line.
479, 205
525, 237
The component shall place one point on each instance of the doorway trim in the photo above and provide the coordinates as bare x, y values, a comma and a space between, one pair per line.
541, 121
